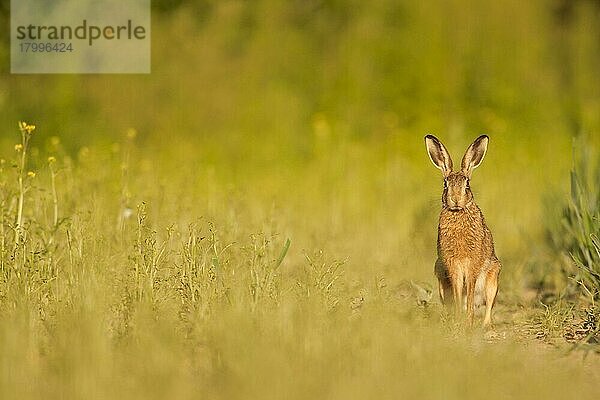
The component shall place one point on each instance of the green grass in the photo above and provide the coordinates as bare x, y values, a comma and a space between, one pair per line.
582, 222
150, 283
257, 218
574, 224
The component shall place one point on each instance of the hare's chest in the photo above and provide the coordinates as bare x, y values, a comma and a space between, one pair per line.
459, 237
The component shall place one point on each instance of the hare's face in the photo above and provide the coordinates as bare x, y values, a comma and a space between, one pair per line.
457, 193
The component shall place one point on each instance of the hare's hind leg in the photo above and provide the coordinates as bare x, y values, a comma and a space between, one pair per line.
491, 290
444, 285
470, 281
458, 283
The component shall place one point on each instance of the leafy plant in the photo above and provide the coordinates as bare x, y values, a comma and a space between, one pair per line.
580, 232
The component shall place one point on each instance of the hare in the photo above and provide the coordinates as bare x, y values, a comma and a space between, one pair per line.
466, 258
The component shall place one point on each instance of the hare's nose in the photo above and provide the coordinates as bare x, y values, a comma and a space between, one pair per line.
454, 202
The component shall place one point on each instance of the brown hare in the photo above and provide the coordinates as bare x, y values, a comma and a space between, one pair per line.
466, 258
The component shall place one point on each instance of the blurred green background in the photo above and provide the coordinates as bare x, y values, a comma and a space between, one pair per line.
267, 120
263, 72
268, 93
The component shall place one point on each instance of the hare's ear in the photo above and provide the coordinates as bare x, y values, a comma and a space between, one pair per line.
438, 154
474, 155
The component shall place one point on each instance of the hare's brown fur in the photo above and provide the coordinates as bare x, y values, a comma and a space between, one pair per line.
466, 257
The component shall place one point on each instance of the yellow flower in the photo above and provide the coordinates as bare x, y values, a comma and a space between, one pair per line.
131, 133
25, 127
31, 174
18, 147
51, 160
